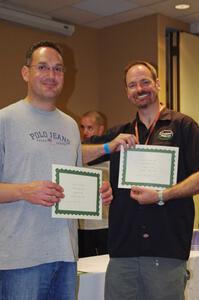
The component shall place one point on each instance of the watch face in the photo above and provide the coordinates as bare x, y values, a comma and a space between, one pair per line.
160, 202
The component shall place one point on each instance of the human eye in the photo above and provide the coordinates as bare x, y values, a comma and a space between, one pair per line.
59, 69
145, 82
132, 85
42, 68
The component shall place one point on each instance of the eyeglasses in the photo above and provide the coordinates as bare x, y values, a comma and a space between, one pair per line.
143, 83
44, 69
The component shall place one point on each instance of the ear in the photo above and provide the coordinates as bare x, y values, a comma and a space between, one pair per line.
25, 73
157, 84
128, 94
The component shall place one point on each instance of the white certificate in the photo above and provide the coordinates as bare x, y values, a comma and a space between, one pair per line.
81, 188
149, 166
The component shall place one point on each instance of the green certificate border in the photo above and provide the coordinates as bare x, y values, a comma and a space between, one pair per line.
58, 211
148, 184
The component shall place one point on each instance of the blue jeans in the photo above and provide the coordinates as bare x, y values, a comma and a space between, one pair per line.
52, 281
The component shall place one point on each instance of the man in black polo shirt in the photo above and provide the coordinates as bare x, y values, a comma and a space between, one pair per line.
149, 244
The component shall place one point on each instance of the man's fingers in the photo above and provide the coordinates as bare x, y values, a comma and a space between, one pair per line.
53, 185
136, 189
127, 141
55, 193
107, 200
106, 192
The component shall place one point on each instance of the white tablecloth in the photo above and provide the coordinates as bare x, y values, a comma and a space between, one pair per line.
91, 283
92, 275
192, 289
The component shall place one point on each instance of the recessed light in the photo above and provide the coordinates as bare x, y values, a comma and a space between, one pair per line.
182, 6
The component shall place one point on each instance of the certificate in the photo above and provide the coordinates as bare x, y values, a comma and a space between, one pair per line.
81, 188
149, 166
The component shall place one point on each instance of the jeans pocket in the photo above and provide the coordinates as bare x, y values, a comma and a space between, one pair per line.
187, 276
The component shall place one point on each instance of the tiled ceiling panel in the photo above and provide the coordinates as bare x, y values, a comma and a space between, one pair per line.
41, 5
105, 7
168, 8
74, 15
103, 13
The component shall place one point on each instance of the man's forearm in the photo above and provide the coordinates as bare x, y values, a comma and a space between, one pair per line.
92, 152
10, 192
186, 188
41, 192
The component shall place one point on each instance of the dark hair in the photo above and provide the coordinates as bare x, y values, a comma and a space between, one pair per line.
150, 67
35, 46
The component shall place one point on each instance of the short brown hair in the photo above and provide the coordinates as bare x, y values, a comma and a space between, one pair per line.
35, 46
99, 117
149, 66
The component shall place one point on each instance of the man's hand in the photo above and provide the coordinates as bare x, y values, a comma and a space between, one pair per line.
44, 193
94, 151
124, 139
106, 192
144, 195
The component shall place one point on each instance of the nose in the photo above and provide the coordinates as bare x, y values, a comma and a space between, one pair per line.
83, 132
86, 132
51, 72
139, 87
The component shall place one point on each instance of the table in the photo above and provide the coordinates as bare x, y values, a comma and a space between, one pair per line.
92, 276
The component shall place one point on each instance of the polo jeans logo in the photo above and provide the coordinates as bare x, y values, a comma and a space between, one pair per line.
166, 135
49, 137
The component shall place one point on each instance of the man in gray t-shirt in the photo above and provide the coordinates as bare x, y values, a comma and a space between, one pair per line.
37, 253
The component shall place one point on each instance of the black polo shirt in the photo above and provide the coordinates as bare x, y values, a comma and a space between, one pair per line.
153, 230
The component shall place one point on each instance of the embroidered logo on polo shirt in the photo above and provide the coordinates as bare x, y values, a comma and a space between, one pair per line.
166, 135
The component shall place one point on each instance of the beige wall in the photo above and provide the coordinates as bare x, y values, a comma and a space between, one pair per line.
95, 60
121, 44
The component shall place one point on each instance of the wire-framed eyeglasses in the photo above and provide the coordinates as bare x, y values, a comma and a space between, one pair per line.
44, 68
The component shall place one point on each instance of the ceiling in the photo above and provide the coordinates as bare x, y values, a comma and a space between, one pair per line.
103, 13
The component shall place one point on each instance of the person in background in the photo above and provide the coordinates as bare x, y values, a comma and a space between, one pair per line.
149, 244
93, 234
38, 253
92, 123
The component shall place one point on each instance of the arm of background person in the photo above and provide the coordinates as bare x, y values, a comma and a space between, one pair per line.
186, 188
93, 151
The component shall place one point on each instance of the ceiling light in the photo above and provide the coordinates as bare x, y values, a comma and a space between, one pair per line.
182, 6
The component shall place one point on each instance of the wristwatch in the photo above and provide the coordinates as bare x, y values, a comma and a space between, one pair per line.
160, 200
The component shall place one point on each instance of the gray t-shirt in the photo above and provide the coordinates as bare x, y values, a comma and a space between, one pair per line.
30, 141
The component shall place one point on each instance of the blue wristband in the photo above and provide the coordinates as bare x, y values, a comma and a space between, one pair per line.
106, 148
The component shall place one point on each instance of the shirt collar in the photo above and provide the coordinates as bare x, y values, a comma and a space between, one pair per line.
164, 115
